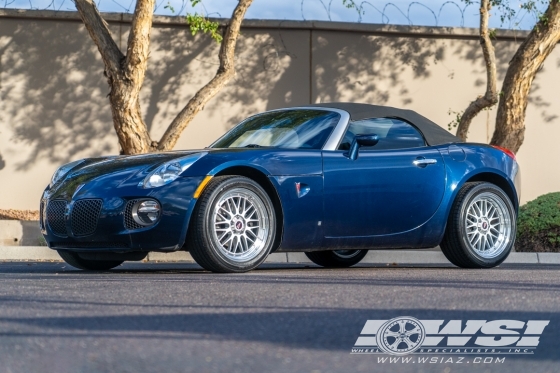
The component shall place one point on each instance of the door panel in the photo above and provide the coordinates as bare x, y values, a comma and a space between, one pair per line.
381, 192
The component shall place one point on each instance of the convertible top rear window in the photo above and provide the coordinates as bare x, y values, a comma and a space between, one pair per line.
292, 129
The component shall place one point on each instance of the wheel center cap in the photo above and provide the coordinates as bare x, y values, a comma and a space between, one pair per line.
484, 225
238, 224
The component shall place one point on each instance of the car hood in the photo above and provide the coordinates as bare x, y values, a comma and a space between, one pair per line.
113, 170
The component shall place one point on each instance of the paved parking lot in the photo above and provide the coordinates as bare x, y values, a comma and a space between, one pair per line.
279, 318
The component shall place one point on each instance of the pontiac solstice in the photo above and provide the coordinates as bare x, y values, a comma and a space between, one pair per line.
331, 180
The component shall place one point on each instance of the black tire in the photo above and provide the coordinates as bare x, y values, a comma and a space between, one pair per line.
76, 261
455, 244
336, 258
202, 240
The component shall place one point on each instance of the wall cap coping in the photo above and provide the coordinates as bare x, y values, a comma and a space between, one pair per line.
372, 28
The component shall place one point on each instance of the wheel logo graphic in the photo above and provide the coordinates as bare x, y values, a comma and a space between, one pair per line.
401, 335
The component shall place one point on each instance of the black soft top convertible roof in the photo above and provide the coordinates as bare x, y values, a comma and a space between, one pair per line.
434, 134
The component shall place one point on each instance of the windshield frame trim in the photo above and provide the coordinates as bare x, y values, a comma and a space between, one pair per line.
334, 137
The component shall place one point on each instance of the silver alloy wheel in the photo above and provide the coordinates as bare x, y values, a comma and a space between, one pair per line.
488, 225
346, 254
240, 225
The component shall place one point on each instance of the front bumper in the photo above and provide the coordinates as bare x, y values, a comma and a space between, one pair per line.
109, 231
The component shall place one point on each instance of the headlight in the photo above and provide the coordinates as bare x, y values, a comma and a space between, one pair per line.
63, 170
169, 171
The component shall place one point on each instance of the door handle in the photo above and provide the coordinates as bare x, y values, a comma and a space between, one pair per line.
423, 162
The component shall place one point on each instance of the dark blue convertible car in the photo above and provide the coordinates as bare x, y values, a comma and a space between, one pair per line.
331, 180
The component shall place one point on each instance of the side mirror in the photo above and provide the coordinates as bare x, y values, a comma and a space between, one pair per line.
361, 140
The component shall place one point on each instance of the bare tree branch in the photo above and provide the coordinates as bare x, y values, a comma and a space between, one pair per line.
125, 75
99, 32
225, 72
490, 98
524, 66
138, 46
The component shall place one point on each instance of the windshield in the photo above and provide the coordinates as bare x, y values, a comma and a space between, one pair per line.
292, 129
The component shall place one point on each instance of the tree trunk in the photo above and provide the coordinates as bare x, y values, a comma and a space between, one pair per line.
225, 72
125, 75
490, 98
527, 61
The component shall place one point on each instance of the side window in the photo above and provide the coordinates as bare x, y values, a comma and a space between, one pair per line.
393, 134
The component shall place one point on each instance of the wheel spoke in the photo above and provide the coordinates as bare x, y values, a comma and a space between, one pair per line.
416, 330
249, 238
225, 243
478, 210
255, 236
238, 206
476, 242
408, 342
221, 216
492, 240
395, 344
475, 236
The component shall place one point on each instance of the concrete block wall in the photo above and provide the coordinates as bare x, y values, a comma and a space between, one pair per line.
54, 106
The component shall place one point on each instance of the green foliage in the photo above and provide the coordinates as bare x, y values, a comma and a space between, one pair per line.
41, 241
455, 122
538, 224
170, 7
200, 23
351, 4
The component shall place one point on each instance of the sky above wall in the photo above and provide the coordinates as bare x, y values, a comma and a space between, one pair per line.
398, 12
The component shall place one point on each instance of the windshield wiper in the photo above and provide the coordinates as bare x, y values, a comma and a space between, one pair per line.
253, 146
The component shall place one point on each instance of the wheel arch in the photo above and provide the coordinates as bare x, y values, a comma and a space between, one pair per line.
488, 176
498, 180
262, 179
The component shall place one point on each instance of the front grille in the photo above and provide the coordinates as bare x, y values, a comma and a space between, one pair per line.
55, 217
84, 216
129, 222
89, 245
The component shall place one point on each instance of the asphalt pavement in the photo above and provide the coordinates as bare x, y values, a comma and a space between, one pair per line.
175, 317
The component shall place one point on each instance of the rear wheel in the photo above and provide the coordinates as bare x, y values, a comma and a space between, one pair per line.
233, 226
336, 258
481, 227
76, 261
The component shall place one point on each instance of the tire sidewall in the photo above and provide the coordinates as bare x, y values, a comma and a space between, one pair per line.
207, 226
357, 258
471, 195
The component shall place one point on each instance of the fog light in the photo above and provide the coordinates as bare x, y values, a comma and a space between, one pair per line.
146, 212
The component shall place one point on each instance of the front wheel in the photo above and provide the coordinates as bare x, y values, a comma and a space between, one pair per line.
481, 227
233, 226
77, 261
336, 258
